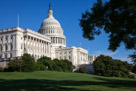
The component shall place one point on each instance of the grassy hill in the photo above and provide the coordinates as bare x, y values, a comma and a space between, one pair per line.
60, 81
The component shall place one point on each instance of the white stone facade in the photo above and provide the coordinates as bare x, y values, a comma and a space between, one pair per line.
15, 42
76, 55
48, 41
91, 59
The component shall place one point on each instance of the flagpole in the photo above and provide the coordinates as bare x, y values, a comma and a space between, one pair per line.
18, 20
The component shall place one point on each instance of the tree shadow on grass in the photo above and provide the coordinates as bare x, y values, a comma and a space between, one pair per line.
118, 83
54, 85
40, 85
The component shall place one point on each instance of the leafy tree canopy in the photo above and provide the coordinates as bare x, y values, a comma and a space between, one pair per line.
28, 63
116, 17
106, 66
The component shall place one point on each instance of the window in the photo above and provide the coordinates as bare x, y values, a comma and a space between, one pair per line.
0, 47
69, 57
21, 46
7, 47
11, 55
2, 38
6, 37
5, 55
11, 46
11, 37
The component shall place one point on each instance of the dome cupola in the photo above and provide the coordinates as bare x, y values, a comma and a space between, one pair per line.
52, 28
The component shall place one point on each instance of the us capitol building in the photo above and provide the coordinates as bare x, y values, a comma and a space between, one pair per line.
48, 41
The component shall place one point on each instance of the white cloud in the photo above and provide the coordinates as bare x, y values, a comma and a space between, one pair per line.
125, 58
104, 52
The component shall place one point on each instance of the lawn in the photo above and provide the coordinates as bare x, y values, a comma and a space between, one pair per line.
61, 81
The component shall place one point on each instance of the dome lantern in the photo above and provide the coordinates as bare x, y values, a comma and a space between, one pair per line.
50, 12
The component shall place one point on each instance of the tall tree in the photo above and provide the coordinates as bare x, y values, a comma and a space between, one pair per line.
116, 17
28, 63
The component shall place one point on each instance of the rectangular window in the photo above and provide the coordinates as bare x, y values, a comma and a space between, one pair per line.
2, 38
6, 37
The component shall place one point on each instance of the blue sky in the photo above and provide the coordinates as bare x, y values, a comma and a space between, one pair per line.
67, 12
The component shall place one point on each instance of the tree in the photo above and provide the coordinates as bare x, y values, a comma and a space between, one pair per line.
133, 57
55, 64
117, 18
106, 66
29, 64
42, 63
15, 65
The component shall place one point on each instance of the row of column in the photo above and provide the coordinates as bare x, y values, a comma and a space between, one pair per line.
37, 45
57, 40
6, 39
83, 56
6, 47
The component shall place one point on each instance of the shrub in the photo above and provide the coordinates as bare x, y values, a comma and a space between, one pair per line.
82, 70
1, 69
55, 65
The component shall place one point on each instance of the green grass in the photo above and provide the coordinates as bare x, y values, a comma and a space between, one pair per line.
60, 81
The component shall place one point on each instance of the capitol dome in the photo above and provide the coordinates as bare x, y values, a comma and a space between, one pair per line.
52, 28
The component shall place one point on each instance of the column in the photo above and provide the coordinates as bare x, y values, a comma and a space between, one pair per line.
26, 41
45, 47
14, 42
36, 45
61, 40
49, 48
32, 43
57, 40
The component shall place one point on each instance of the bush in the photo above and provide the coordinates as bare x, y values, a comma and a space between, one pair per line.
55, 65
82, 70
1, 69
